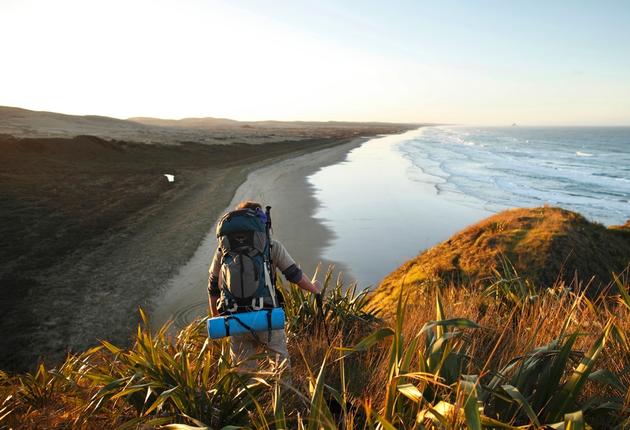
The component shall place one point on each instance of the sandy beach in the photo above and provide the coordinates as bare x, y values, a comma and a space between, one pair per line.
383, 210
284, 186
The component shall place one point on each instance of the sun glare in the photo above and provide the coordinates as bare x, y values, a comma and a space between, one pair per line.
197, 58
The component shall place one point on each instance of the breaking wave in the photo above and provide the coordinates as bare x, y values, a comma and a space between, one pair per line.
580, 168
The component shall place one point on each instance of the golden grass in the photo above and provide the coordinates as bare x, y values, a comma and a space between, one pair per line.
544, 244
450, 361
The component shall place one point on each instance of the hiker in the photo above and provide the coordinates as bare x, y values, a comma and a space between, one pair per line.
223, 297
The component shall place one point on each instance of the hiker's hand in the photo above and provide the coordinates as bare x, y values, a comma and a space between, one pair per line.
318, 287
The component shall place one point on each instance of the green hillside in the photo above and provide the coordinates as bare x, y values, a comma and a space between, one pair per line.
544, 245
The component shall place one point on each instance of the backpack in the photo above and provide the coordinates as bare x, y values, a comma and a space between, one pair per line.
245, 249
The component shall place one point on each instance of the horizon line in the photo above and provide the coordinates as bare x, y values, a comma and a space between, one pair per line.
418, 123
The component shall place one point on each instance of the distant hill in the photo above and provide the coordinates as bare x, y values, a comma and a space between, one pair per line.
25, 123
214, 123
35, 124
543, 244
207, 122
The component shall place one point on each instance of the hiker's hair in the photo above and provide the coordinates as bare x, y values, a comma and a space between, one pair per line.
248, 204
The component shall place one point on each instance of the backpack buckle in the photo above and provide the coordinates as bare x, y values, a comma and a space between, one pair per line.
260, 304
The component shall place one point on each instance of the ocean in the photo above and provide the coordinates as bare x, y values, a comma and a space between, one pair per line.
397, 195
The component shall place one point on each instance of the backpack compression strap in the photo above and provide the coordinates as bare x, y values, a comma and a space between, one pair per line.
226, 321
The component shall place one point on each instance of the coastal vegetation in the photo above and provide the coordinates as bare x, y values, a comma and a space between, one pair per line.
540, 247
502, 352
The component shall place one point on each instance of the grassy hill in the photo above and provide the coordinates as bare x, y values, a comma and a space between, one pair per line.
463, 359
544, 245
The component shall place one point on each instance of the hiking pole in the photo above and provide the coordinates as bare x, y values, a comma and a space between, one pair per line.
268, 230
270, 269
320, 305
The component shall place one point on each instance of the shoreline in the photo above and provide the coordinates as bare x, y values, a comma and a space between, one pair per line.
282, 183
383, 211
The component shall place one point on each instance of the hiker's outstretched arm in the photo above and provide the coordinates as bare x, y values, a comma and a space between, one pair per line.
213, 284
290, 270
212, 301
306, 284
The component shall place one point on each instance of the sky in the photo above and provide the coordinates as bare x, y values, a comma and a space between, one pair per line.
466, 62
